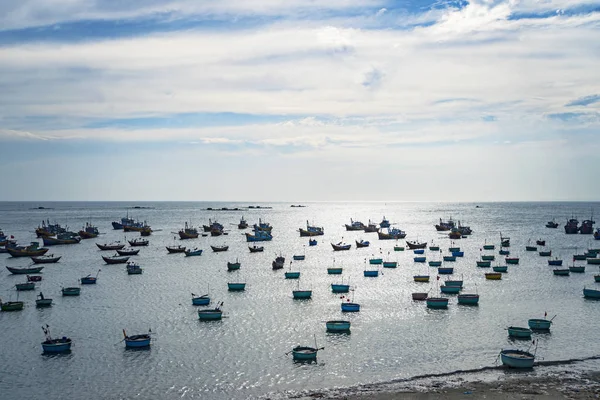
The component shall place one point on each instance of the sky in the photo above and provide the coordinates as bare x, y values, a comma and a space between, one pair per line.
268, 100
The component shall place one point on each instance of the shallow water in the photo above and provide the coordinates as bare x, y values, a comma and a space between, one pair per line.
244, 355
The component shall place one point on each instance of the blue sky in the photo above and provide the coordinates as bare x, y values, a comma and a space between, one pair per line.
300, 100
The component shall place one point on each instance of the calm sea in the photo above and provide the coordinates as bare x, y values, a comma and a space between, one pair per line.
244, 355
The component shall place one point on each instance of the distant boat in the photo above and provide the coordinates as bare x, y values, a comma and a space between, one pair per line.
42, 301
88, 231
519, 332
279, 262
500, 268
355, 226
340, 288
116, 259
437, 302
517, 358
445, 270
203, 300
420, 259
232, 266
416, 245
299, 257
61, 238
362, 243
24, 271
175, 249
337, 326
133, 269
512, 260
571, 227
591, 293
419, 296
421, 278
305, 353
561, 271
301, 294
256, 249
11, 305
111, 246
192, 253
25, 286
188, 232
138, 242
340, 246
547, 253
555, 262
46, 259
450, 289
577, 269
259, 236
311, 230
540, 242
540, 324
89, 280
137, 341
392, 233
552, 224
33, 250
494, 276
214, 314
71, 291
243, 224
445, 226
312, 242
468, 299
51, 345
236, 286
128, 252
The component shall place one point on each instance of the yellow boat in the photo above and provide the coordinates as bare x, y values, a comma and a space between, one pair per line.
493, 276
421, 278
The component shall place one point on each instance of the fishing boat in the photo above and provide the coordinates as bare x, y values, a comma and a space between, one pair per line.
547, 253
243, 224
484, 264
256, 249
334, 270
33, 250
420, 259
371, 227
46, 259
292, 274
350, 306
444, 226
454, 234
340, 246
138, 242
530, 248
137, 226
493, 276
25, 286
51, 345
392, 233
340, 288
217, 249
453, 248
48, 229
259, 236
452, 282
116, 259
304, 353
540, 324
89, 280
504, 241
137, 341
420, 296
371, 273
552, 224
421, 278
593, 261
214, 314
555, 262
133, 269
468, 299
577, 269
24, 271
355, 226
298, 257
434, 247
561, 271
279, 262
450, 289
419, 251
488, 257
488, 246
337, 326
571, 227
188, 232
124, 221
11, 305
437, 302
503, 252
445, 270
233, 266
311, 231
71, 291
385, 223
375, 261
416, 245
390, 264
517, 358
61, 238
301, 294
597, 234
464, 229
146, 231
111, 246
362, 243
500, 268
312, 242
519, 332
191, 253
458, 253
89, 231
236, 286
203, 300
175, 249
512, 260
262, 226
587, 226
34, 278
128, 252
42, 301
540, 242
591, 293
449, 258
398, 248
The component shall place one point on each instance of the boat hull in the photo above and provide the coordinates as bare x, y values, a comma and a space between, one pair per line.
74, 291
371, 274
591, 293
421, 278
419, 296
210, 315
292, 275
339, 288
518, 332
334, 271
468, 299
517, 359
350, 307
201, 301
437, 302
12, 306
302, 294
301, 353
236, 287
450, 289
132, 342
338, 326
24, 271
539, 324
56, 347
43, 302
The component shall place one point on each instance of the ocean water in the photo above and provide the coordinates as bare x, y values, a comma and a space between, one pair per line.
244, 355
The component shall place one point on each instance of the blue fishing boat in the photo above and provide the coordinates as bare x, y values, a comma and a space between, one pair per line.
512, 260
233, 266
484, 264
435, 263
445, 270
302, 294
338, 326
468, 299
577, 269
489, 247
51, 345
71, 291
214, 314
42, 301
25, 286
419, 251
488, 257
292, 274
133, 269
458, 253
203, 300
236, 286
517, 358
453, 249
545, 253
450, 289
392, 233
137, 341
334, 270
376, 261
561, 271
362, 243
304, 353
500, 268
449, 258
503, 252
420, 259
259, 236
540, 324
90, 280
384, 223
596, 278
450, 282
519, 332
311, 230
390, 264
437, 302
350, 307
312, 242
191, 253
591, 293
298, 257
371, 273
340, 288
